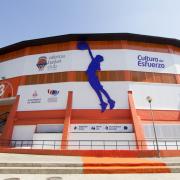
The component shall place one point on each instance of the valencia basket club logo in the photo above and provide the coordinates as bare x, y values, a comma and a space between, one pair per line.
42, 62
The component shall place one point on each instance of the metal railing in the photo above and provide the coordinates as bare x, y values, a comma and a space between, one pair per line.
93, 144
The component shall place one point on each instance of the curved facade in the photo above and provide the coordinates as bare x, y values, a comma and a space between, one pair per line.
44, 86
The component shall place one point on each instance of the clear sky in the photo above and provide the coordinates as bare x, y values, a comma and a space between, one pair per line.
30, 19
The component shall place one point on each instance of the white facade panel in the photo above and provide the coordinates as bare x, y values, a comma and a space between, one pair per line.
165, 96
76, 60
177, 63
23, 132
163, 131
36, 97
47, 140
22, 136
12, 68
83, 96
102, 141
168, 136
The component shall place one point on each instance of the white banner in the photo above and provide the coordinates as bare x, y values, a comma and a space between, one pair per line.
101, 128
54, 96
42, 97
76, 60
38, 97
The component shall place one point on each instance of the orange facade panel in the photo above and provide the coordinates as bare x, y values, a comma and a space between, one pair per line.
71, 45
80, 76
10, 86
5, 108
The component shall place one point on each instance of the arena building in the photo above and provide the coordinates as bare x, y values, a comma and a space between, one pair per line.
91, 94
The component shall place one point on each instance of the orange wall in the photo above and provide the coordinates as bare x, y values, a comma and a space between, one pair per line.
71, 45
5, 108
159, 115
15, 82
86, 116
78, 116
40, 114
120, 75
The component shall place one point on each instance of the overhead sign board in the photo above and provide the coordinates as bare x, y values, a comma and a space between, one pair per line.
101, 128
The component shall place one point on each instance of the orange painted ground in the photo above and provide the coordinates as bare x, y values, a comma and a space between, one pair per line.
95, 165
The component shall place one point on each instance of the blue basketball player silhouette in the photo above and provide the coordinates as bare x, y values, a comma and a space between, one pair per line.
93, 67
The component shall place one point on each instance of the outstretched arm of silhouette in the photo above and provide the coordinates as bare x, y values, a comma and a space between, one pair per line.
90, 53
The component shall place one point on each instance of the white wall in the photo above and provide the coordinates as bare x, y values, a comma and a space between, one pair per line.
163, 131
47, 140
76, 60
168, 136
165, 96
83, 96
22, 136
23, 132
102, 141
12, 68
101, 136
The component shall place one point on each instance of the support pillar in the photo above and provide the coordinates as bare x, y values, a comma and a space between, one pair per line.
8, 129
138, 129
64, 142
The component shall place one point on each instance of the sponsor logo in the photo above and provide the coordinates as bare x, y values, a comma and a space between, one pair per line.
51, 63
34, 99
34, 94
151, 62
42, 62
53, 94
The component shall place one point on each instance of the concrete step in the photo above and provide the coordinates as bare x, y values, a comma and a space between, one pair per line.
40, 164
87, 164
129, 170
123, 164
89, 170
41, 170
173, 164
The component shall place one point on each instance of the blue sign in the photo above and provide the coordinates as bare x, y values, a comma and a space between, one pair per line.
94, 66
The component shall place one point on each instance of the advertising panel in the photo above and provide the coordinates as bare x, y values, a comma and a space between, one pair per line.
41, 97
54, 96
76, 60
